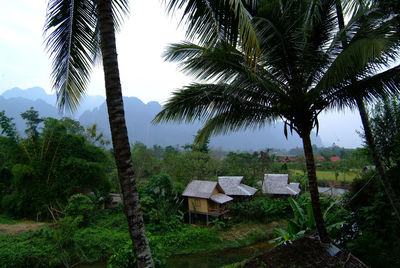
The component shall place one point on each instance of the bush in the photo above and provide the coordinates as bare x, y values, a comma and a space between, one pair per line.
79, 205
124, 257
262, 209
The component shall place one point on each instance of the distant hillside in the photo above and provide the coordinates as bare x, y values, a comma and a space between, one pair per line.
37, 93
138, 117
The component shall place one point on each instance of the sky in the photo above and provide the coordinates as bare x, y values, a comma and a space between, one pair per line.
24, 62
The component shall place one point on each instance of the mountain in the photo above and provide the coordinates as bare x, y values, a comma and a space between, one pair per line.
138, 120
37, 93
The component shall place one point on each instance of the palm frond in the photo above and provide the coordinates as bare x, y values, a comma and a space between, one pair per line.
361, 53
72, 39
211, 20
371, 88
204, 101
120, 10
69, 31
235, 120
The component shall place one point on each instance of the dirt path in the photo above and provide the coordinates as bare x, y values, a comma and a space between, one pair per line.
19, 228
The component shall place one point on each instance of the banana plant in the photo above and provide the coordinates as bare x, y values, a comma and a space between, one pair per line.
304, 222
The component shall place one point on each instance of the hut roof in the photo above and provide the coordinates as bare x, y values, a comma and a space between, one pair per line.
233, 186
201, 189
334, 158
221, 198
279, 184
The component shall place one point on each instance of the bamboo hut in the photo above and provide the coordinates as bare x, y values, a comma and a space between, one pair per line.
206, 198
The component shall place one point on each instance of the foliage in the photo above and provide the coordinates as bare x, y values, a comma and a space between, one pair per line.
79, 205
189, 165
261, 209
125, 258
144, 160
50, 168
32, 121
161, 205
304, 222
7, 126
372, 231
188, 239
385, 125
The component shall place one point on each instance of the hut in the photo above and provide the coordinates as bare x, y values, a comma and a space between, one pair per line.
114, 201
278, 184
206, 198
233, 186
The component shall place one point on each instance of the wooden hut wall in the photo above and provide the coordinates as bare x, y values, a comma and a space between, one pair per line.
198, 204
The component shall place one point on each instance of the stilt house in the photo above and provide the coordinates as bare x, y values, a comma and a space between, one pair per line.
207, 198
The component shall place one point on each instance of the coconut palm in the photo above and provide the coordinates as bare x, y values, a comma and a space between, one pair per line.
394, 200
301, 70
77, 32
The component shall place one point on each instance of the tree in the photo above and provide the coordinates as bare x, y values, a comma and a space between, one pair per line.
7, 126
77, 33
32, 121
385, 126
374, 84
301, 70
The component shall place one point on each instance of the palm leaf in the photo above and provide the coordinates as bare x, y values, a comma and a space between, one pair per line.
209, 21
69, 31
72, 40
370, 88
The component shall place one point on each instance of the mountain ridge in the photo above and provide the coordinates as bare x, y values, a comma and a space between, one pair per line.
138, 120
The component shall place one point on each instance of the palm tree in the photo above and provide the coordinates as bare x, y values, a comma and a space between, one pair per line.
77, 32
394, 200
300, 71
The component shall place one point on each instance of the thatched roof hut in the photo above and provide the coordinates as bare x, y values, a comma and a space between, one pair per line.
206, 197
232, 186
278, 184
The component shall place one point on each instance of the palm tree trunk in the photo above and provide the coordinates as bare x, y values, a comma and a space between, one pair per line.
312, 181
119, 136
377, 160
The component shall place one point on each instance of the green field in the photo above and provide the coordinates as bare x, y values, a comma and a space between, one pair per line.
330, 174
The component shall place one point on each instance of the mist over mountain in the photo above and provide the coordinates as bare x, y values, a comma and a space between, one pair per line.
138, 119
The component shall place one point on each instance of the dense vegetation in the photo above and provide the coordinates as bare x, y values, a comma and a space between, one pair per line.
41, 181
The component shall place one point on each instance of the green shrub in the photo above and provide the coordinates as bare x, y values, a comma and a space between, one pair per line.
262, 209
125, 258
79, 205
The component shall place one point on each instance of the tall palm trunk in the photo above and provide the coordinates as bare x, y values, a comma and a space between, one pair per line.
368, 133
119, 136
312, 180
377, 159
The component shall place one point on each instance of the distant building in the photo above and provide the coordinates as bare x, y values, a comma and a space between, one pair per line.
334, 159
320, 158
278, 184
286, 158
207, 198
114, 201
233, 187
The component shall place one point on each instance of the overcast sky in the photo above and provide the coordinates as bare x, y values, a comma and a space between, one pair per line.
24, 62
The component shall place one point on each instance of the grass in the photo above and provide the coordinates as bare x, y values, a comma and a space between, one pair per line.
5, 219
107, 232
330, 174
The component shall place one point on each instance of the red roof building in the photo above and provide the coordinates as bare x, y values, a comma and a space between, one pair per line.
334, 159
